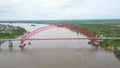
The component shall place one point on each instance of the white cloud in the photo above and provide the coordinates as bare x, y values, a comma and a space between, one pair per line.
59, 9
51, 3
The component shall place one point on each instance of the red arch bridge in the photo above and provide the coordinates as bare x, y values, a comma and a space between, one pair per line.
89, 35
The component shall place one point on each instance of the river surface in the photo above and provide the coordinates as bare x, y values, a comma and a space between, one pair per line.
55, 53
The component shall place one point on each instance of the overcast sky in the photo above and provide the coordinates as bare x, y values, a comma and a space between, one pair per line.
59, 9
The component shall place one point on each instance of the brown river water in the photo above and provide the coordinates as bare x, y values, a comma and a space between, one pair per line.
56, 53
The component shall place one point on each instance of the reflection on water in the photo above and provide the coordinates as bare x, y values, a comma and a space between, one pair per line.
10, 49
22, 49
56, 54
0, 49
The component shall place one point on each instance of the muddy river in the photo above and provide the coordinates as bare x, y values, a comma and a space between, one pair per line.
55, 53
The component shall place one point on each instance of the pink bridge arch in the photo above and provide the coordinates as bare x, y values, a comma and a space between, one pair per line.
90, 36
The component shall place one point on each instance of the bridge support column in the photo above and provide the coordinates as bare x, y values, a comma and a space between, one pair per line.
95, 42
22, 45
10, 44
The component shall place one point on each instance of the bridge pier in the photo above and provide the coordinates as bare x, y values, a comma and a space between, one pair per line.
22, 45
95, 42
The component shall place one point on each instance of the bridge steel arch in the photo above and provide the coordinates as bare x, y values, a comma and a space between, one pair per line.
90, 35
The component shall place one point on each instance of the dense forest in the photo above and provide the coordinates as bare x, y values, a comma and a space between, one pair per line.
104, 29
11, 32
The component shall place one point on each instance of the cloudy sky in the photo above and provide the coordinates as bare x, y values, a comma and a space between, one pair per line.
59, 9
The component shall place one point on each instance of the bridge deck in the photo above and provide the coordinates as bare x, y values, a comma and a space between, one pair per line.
106, 38
109, 38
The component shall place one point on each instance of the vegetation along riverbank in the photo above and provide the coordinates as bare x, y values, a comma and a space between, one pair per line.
9, 31
104, 29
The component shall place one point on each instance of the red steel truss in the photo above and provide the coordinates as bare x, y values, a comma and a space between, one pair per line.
89, 35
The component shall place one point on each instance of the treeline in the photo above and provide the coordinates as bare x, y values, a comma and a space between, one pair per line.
106, 30
16, 31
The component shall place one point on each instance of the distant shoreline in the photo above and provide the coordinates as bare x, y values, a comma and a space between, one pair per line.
57, 21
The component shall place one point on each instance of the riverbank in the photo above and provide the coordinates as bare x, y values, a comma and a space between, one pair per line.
104, 29
11, 32
113, 45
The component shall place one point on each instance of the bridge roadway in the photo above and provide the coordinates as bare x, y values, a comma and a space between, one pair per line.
104, 38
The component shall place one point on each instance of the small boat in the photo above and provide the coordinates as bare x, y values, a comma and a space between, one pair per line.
32, 24
29, 43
